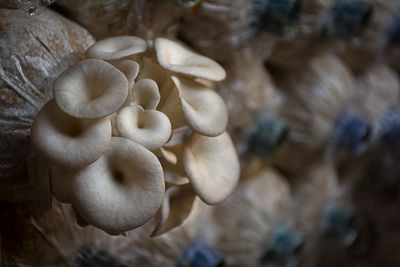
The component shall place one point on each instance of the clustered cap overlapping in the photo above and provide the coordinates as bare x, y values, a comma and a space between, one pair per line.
136, 132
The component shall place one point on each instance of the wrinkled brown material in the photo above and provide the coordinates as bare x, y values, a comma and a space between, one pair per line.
107, 18
249, 215
52, 238
33, 50
218, 28
314, 98
248, 90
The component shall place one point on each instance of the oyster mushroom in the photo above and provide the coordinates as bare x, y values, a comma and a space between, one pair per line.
169, 156
170, 106
179, 59
150, 128
212, 166
172, 161
130, 68
67, 142
146, 94
91, 89
177, 205
119, 192
119, 47
203, 109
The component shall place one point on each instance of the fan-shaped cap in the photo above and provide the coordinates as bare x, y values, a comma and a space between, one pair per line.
204, 111
146, 94
122, 190
91, 89
176, 208
130, 68
177, 58
64, 141
150, 128
212, 166
117, 47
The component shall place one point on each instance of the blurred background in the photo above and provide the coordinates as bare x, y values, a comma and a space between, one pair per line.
312, 92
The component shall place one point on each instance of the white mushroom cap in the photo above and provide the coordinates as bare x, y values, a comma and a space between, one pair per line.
177, 58
151, 70
146, 94
212, 166
175, 209
117, 47
150, 128
203, 109
170, 106
130, 68
176, 167
112, 118
167, 155
91, 89
64, 141
122, 190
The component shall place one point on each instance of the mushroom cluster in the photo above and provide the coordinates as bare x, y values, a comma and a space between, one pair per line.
135, 131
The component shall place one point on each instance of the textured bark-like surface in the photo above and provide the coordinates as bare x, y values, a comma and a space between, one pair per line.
372, 41
33, 50
107, 18
375, 195
53, 238
378, 89
217, 28
249, 215
248, 90
315, 97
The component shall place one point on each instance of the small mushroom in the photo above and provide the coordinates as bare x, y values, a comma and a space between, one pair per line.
170, 106
91, 89
151, 70
146, 94
177, 58
203, 109
119, 47
167, 155
176, 208
150, 128
67, 142
173, 164
122, 190
212, 166
130, 68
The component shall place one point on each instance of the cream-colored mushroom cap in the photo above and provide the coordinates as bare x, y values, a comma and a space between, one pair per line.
203, 109
130, 68
150, 128
117, 47
146, 94
166, 155
212, 166
170, 106
62, 140
91, 89
122, 190
177, 58
176, 208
